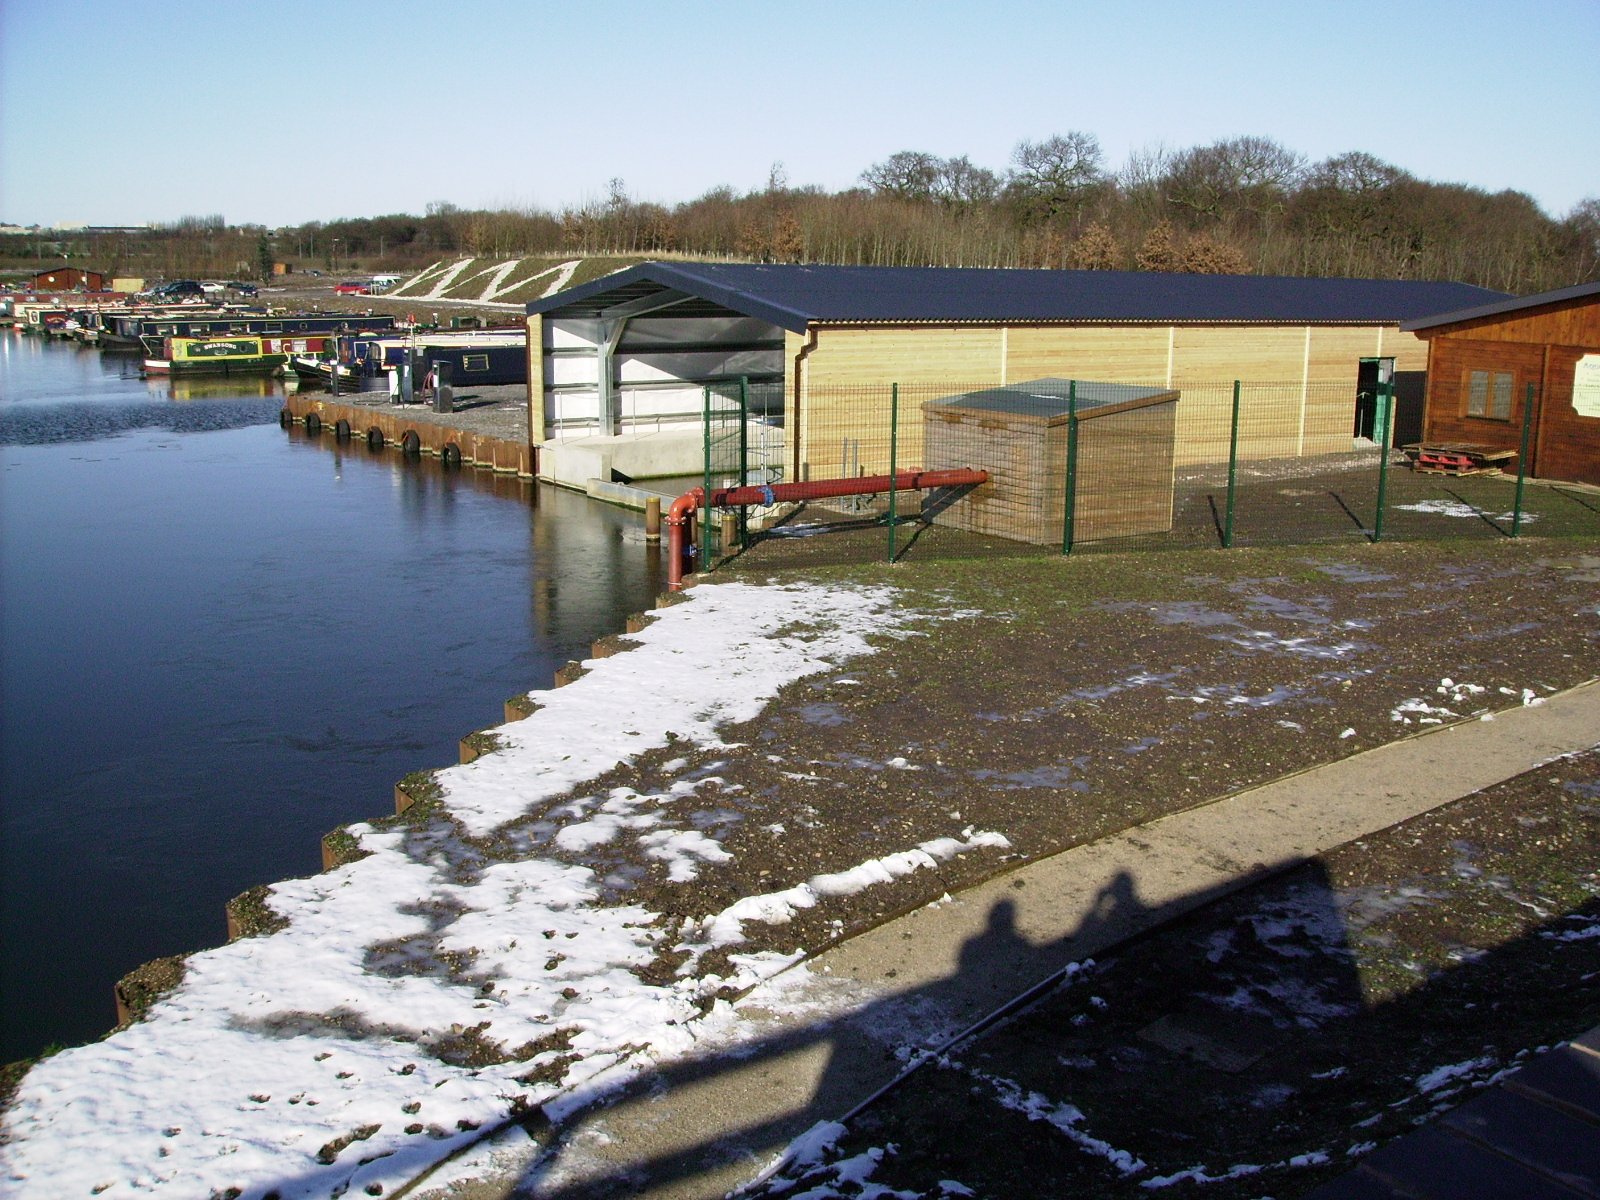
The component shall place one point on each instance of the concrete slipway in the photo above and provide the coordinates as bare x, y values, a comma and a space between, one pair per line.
715, 1124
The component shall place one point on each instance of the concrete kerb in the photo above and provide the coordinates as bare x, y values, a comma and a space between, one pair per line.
950, 966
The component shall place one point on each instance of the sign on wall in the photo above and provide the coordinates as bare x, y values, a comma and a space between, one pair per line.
1586, 386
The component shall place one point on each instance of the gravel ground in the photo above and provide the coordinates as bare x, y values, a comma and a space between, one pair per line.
1058, 701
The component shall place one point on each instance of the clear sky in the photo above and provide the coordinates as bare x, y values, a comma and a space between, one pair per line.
128, 111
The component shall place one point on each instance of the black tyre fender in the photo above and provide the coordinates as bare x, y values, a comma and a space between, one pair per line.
341, 430
451, 454
375, 438
313, 423
410, 443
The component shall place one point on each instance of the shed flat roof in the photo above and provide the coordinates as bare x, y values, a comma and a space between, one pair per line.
1053, 398
1516, 304
795, 297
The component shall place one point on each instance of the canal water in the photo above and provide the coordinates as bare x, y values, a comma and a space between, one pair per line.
220, 639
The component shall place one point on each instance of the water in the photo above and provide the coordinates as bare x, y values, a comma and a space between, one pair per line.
220, 639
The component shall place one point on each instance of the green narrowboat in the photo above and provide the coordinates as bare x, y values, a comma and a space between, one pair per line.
214, 356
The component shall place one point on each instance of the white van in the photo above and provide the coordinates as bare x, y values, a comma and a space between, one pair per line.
382, 283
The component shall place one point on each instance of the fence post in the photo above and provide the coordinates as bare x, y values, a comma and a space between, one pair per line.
1386, 394
1233, 468
705, 504
894, 440
1522, 461
744, 458
1070, 504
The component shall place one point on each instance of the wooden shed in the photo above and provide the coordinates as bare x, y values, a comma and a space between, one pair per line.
1122, 463
1481, 361
632, 351
67, 279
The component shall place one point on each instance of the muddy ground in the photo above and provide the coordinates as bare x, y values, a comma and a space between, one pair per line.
1057, 701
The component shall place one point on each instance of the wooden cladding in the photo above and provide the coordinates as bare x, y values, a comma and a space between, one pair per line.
1156, 355
1565, 443
1300, 396
1573, 323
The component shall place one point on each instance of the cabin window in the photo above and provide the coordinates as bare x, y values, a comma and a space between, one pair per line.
272, 327
1489, 394
474, 362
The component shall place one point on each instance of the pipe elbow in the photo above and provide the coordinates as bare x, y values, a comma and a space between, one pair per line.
683, 506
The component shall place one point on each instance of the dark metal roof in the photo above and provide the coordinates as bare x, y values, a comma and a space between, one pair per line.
794, 297
1502, 307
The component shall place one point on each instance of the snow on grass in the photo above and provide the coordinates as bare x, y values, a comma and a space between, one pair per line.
1588, 930
1448, 1074
1455, 508
778, 908
1261, 640
1420, 711
1066, 1118
420, 996
1314, 1158
715, 661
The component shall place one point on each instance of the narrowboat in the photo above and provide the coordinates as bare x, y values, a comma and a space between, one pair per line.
146, 331
474, 358
214, 356
323, 368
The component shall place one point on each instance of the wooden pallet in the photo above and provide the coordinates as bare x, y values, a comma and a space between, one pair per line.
1456, 458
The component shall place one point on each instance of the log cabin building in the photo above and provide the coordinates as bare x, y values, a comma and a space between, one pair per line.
1482, 360
631, 352
67, 279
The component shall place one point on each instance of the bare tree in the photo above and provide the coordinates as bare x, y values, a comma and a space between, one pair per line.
906, 175
1581, 229
1139, 182
957, 182
1058, 176
1244, 175
1345, 194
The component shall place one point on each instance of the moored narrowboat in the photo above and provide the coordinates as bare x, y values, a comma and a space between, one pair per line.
214, 356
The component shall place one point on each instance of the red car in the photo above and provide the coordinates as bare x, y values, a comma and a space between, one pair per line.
352, 287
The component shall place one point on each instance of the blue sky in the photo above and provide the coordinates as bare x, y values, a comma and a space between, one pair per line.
127, 111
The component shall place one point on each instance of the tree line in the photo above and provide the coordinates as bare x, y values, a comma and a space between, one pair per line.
1237, 205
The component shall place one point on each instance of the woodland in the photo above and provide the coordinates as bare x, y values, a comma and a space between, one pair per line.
1243, 205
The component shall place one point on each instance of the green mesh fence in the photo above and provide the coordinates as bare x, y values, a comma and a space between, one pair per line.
744, 438
1079, 466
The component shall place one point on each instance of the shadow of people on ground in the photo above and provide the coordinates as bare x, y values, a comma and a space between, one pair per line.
653, 1135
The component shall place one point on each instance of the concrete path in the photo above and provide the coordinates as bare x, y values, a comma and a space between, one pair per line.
705, 1128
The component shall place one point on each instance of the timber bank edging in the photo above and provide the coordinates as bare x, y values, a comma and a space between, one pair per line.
381, 429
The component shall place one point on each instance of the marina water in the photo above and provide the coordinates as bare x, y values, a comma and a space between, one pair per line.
222, 639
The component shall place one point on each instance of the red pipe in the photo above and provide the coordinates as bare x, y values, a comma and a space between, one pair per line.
817, 489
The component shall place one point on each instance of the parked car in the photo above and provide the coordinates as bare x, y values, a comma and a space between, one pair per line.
212, 288
352, 287
178, 289
244, 289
